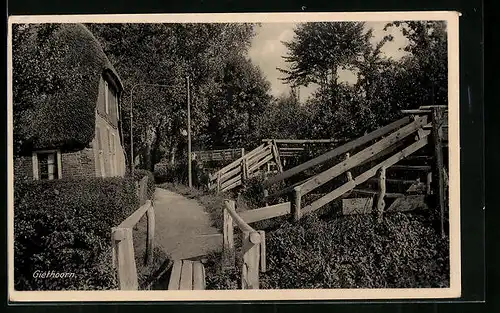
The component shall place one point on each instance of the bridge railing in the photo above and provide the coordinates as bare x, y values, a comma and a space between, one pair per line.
122, 241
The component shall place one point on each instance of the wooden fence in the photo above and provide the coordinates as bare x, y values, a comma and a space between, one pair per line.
235, 173
218, 155
123, 245
387, 146
253, 243
296, 147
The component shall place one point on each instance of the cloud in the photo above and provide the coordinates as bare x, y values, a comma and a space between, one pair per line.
267, 51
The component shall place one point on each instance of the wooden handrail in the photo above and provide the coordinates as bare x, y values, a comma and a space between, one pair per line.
338, 151
361, 156
135, 217
253, 247
242, 225
365, 176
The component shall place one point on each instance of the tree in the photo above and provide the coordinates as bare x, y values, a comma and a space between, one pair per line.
319, 50
166, 54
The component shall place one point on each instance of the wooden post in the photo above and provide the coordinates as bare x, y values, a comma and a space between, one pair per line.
242, 152
151, 235
266, 194
438, 150
127, 270
348, 173
263, 265
381, 195
297, 199
228, 238
250, 267
143, 187
276, 155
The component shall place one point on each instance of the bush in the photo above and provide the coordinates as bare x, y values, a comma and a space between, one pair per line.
139, 174
65, 226
403, 251
178, 173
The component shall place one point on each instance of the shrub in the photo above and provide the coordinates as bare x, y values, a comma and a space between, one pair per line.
139, 174
64, 226
178, 173
357, 252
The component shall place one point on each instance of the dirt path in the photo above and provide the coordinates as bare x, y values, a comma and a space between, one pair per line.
183, 228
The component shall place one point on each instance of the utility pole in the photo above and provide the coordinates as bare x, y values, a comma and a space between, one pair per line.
190, 180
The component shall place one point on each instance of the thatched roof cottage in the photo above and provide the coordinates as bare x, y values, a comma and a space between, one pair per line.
72, 131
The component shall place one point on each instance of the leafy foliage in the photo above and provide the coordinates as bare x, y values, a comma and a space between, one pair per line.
226, 89
357, 252
64, 226
55, 100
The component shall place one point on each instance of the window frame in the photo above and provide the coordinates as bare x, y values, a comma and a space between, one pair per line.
58, 160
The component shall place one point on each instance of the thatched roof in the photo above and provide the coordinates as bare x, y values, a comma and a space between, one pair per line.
60, 113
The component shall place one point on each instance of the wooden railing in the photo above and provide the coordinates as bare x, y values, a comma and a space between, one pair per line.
123, 245
388, 145
253, 247
235, 173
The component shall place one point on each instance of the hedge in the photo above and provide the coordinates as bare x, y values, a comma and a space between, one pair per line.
64, 226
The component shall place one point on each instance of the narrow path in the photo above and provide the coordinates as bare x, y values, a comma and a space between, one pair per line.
183, 228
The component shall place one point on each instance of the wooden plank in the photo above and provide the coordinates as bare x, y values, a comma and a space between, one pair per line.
263, 264
359, 157
357, 206
230, 182
338, 151
175, 276
277, 158
251, 258
230, 208
198, 276
286, 190
375, 193
364, 177
151, 235
236, 162
252, 216
235, 171
301, 141
415, 111
186, 282
258, 157
256, 166
127, 270
424, 168
134, 218
394, 181
408, 203
228, 241
235, 184
438, 152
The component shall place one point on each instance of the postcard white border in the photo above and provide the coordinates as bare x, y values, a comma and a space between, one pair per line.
454, 291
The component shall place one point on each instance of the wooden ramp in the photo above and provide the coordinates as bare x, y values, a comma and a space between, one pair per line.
187, 275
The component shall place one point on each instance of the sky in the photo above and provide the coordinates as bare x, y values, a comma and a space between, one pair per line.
267, 50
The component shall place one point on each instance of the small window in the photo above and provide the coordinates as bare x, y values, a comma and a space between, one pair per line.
47, 165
